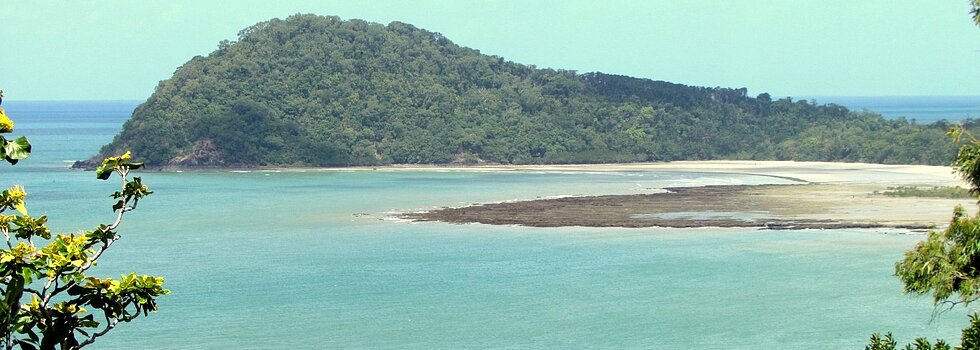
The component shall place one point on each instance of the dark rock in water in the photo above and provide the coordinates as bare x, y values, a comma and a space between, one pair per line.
88, 164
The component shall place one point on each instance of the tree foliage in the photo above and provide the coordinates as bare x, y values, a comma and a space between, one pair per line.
11, 150
975, 11
969, 340
947, 263
335, 92
49, 300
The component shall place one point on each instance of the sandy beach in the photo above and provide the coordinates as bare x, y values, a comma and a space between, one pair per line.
830, 195
814, 172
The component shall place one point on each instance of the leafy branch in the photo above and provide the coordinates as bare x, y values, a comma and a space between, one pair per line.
49, 301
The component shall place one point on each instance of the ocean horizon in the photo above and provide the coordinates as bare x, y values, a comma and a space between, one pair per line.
922, 109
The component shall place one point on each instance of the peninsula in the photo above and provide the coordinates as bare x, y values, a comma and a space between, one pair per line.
312, 91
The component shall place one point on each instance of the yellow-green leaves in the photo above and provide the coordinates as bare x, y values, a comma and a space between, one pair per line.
125, 298
133, 191
108, 284
142, 289
28, 227
117, 163
15, 150
55, 311
12, 150
24, 226
67, 308
13, 198
66, 254
21, 253
6, 125
102, 233
126, 156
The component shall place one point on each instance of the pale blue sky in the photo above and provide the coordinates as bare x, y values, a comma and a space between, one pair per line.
56, 50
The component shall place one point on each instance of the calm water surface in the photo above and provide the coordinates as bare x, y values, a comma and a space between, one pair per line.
924, 109
307, 260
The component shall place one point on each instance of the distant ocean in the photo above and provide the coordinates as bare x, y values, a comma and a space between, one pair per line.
924, 109
308, 260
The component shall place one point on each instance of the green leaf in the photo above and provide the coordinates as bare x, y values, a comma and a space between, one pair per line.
30, 334
21, 208
103, 172
15, 289
134, 166
24, 345
17, 149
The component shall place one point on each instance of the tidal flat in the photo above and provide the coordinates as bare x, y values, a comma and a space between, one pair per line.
825, 196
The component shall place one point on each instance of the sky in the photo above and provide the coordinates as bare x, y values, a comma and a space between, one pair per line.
120, 50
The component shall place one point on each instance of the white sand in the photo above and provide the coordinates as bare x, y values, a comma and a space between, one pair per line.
818, 172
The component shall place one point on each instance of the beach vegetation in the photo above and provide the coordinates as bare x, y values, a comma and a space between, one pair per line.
49, 299
952, 192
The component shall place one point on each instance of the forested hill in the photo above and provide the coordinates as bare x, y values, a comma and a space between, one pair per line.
321, 91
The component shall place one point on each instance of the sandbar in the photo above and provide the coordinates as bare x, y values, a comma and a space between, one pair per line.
828, 196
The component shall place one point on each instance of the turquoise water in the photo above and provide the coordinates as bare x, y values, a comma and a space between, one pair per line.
308, 260
924, 109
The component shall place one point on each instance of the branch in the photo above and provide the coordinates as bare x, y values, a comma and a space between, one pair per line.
7, 236
98, 254
110, 324
946, 305
59, 290
122, 176
47, 285
35, 292
125, 208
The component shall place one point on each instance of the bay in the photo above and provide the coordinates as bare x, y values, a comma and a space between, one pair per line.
271, 260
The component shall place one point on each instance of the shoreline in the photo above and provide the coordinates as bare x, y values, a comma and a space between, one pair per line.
829, 195
810, 172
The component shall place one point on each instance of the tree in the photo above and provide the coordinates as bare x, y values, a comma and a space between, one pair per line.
49, 300
947, 263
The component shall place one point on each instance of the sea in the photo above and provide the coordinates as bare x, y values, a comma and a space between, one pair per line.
921, 109
314, 260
